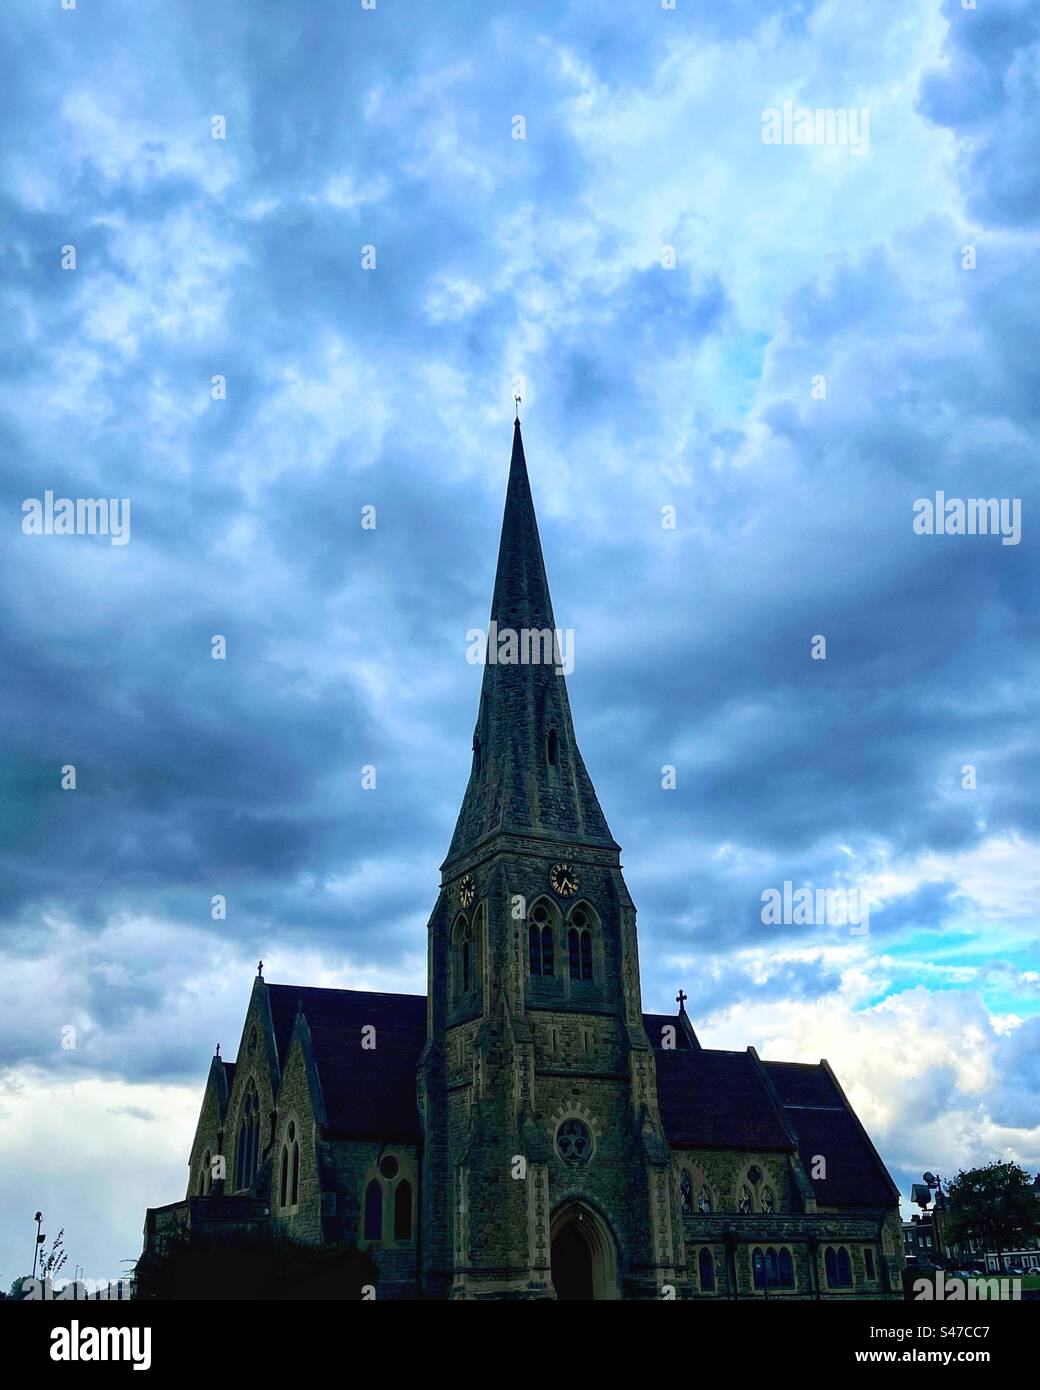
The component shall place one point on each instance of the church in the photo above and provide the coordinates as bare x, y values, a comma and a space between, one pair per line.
525, 1130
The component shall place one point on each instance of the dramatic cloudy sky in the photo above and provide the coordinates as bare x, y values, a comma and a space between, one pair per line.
644, 387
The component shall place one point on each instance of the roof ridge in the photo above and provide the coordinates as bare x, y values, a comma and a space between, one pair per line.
342, 989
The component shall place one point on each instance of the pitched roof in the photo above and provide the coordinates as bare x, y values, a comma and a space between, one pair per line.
708, 1098
712, 1099
511, 785
656, 1023
369, 1093
716, 1100
818, 1111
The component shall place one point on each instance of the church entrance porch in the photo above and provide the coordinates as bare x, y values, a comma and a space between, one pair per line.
583, 1255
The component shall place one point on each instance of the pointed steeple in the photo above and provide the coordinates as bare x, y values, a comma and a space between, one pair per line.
528, 776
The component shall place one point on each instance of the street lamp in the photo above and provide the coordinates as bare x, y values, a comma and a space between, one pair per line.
39, 1241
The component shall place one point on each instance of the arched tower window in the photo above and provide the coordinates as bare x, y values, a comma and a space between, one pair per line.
706, 1270
579, 944
248, 1151
540, 941
465, 967
552, 748
686, 1194
476, 753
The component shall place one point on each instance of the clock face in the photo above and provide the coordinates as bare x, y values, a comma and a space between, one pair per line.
467, 890
563, 879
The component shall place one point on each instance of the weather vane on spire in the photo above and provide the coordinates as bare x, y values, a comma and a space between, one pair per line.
517, 399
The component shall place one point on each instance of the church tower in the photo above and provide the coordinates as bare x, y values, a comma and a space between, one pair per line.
545, 1167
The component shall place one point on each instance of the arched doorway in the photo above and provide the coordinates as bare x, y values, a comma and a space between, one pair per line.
583, 1255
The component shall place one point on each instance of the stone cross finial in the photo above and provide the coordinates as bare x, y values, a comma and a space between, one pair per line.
218, 1049
681, 999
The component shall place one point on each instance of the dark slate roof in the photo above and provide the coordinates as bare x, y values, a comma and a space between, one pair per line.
801, 1083
511, 787
368, 1093
229, 1072
653, 1023
826, 1125
708, 1098
719, 1100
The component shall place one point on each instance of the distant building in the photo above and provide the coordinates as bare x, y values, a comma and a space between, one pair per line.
919, 1241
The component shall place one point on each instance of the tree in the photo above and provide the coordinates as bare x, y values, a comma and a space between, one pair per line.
50, 1264
996, 1205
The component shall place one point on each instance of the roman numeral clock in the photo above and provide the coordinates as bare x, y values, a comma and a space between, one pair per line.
564, 880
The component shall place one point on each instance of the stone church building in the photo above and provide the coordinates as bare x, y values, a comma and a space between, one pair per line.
526, 1130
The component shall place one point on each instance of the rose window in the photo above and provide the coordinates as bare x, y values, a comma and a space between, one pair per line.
574, 1142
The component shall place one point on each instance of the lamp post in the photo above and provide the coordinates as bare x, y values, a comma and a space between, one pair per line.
934, 1182
38, 1218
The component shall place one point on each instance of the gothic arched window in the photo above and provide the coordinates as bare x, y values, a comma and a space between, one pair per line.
289, 1170
579, 945
403, 1210
830, 1264
771, 1269
374, 1211
744, 1205
785, 1269
294, 1167
686, 1194
248, 1150
758, 1267
706, 1270
844, 1278
465, 957
552, 747
704, 1202
540, 941
388, 1194
768, 1204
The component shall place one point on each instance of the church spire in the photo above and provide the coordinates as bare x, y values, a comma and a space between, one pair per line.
528, 776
